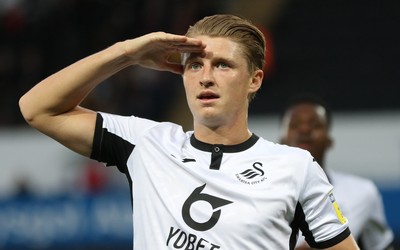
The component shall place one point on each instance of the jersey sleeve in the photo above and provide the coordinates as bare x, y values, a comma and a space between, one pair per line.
115, 138
324, 225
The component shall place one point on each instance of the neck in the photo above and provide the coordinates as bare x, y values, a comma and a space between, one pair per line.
320, 161
227, 129
221, 135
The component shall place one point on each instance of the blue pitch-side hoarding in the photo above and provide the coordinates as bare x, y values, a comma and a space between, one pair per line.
65, 221
391, 199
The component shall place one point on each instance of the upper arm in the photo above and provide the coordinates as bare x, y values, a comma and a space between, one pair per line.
74, 129
324, 225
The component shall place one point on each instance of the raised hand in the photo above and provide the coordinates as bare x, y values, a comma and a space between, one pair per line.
161, 51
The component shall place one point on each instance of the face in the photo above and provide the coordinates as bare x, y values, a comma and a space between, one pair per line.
305, 126
218, 82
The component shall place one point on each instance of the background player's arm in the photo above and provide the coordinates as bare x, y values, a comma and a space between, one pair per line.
52, 106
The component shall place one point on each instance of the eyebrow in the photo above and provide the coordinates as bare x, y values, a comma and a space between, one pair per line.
187, 57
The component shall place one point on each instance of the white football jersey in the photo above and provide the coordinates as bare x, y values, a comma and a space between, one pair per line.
362, 204
188, 194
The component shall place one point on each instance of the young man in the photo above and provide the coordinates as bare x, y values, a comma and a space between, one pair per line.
217, 187
306, 124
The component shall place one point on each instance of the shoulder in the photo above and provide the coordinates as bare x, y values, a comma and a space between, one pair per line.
135, 127
284, 150
295, 160
114, 121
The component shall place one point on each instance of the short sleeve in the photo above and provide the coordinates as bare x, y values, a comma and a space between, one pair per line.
325, 225
115, 138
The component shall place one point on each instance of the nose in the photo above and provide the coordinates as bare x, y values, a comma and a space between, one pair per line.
304, 128
206, 83
207, 78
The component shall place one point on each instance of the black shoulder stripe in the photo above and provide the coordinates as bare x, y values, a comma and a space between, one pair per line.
115, 151
97, 138
101, 139
110, 148
299, 222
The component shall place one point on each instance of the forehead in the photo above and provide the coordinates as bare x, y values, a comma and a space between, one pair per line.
309, 110
218, 47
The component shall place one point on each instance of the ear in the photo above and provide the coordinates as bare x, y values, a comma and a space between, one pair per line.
256, 81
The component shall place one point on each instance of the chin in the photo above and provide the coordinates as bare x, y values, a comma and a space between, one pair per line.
210, 120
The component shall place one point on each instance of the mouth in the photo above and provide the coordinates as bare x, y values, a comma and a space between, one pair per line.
206, 96
304, 144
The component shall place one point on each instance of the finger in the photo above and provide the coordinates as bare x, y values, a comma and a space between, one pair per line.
184, 40
175, 68
175, 58
187, 48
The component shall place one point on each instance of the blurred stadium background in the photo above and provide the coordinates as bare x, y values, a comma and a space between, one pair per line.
51, 198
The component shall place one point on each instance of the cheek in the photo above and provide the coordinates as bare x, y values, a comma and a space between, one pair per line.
292, 137
321, 139
237, 95
187, 85
289, 136
241, 88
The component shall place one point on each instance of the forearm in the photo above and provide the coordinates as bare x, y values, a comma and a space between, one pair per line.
52, 106
66, 89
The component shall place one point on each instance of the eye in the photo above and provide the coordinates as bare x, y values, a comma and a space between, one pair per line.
293, 125
194, 66
222, 65
317, 125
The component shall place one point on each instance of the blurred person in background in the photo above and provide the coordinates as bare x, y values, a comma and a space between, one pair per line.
306, 123
216, 187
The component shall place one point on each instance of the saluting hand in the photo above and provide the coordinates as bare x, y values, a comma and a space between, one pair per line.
161, 51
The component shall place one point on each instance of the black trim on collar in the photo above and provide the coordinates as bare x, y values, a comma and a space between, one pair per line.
226, 148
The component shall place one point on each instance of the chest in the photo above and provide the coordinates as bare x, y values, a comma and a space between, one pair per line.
242, 188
